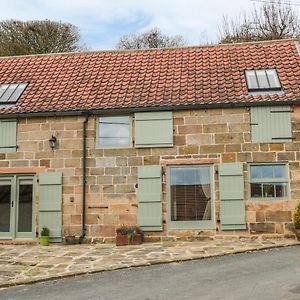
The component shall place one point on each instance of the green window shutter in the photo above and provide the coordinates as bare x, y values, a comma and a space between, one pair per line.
154, 129
50, 214
8, 135
271, 124
150, 198
231, 189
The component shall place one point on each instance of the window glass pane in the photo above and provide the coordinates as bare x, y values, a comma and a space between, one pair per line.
262, 79
255, 172
251, 80
25, 208
17, 92
266, 171
114, 142
190, 194
280, 190
3, 87
256, 190
5, 191
8, 92
114, 131
279, 171
268, 190
273, 78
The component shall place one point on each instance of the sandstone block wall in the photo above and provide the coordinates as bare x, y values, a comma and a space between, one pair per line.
200, 136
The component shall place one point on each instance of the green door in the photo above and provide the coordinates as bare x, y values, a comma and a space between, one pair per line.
17, 207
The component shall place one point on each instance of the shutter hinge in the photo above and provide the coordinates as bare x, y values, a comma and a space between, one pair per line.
8, 121
283, 138
280, 111
4, 147
253, 123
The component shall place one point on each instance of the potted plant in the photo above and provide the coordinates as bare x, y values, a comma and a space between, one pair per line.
129, 235
297, 221
44, 236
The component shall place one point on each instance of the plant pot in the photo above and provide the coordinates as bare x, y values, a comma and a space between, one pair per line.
123, 240
70, 240
44, 240
297, 233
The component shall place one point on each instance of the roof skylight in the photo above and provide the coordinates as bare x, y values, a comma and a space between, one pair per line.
10, 93
262, 80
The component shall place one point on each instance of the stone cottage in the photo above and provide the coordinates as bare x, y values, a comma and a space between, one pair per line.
184, 142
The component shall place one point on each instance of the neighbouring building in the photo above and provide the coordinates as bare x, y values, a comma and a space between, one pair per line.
184, 142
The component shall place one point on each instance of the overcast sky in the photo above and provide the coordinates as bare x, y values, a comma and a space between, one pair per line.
102, 22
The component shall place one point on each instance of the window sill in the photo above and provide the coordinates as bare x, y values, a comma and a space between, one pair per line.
268, 199
192, 225
112, 148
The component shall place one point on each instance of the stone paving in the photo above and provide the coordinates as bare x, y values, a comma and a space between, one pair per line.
21, 264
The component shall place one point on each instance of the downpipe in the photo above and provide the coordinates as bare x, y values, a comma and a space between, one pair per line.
84, 156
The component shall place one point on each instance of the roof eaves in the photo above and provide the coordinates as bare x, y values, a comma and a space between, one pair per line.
145, 109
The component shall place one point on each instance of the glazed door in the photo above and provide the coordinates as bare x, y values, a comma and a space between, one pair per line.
24, 208
6, 207
17, 207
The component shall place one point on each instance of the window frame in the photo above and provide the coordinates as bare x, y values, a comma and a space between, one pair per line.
196, 224
269, 180
262, 90
130, 145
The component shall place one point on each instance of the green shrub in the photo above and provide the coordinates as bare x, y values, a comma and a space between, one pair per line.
45, 231
297, 217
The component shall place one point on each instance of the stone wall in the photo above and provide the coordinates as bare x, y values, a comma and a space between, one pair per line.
200, 136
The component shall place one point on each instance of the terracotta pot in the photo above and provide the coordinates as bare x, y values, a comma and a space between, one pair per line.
123, 240
297, 233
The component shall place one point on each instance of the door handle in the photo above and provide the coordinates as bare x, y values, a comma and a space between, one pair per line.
12, 203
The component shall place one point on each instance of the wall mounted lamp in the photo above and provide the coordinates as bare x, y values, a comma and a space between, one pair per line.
53, 142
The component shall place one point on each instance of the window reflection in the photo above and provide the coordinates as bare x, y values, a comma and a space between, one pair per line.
190, 193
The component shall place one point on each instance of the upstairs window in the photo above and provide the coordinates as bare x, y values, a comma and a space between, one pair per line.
262, 80
10, 93
114, 132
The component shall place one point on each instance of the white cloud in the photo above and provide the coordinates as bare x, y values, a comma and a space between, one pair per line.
106, 20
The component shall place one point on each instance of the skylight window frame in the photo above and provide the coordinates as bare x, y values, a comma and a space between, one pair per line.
269, 89
9, 100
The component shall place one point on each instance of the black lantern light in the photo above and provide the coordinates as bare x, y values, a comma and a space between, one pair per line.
53, 142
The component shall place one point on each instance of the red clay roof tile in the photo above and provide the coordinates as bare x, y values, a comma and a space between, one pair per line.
149, 78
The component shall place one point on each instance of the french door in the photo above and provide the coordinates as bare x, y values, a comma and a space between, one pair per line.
17, 207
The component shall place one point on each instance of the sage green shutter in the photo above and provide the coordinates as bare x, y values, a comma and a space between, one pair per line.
154, 129
232, 203
150, 198
50, 203
8, 135
271, 124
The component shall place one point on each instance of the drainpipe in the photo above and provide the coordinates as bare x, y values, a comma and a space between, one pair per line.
84, 155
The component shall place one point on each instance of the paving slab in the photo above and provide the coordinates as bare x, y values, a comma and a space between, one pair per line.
22, 264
